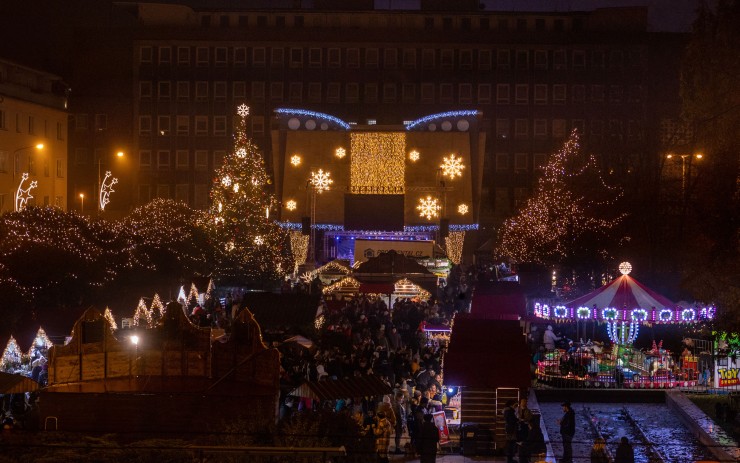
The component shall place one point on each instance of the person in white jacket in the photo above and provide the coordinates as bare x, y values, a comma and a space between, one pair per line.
549, 338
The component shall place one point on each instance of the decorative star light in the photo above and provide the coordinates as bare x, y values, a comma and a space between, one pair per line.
463, 209
259, 241
295, 160
22, 195
625, 268
243, 110
226, 181
428, 207
291, 205
241, 153
307, 277
452, 167
106, 188
414, 155
320, 180
340, 153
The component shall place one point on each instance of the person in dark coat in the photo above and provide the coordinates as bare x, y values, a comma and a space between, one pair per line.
625, 452
567, 431
511, 426
428, 440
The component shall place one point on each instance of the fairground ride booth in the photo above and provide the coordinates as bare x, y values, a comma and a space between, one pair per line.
488, 362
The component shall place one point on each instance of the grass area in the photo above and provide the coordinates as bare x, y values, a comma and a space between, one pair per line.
708, 403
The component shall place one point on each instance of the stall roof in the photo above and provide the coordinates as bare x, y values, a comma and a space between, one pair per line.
377, 288
328, 389
16, 384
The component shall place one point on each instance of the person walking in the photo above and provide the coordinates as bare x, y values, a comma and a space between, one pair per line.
428, 440
549, 338
382, 432
625, 452
524, 415
598, 451
511, 426
567, 431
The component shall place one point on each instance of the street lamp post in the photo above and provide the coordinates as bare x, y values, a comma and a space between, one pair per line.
684, 159
38, 146
82, 203
119, 154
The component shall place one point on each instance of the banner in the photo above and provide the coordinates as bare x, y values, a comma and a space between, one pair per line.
367, 249
728, 377
441, 423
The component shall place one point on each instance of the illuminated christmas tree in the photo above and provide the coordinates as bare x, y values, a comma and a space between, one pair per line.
11, 354
570, 219
253, 248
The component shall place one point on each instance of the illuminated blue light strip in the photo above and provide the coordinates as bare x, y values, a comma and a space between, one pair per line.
427, 228
304, 112
317, 226
432, 117
407, 229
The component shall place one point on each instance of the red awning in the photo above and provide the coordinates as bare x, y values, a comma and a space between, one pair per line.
377, 288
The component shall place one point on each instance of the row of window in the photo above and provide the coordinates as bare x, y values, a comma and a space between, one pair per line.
521, 161
558, 128
28, 164
183, 159
179, 192
193, 125
428, 92
7, 204
392, 58
28, 123
81, 122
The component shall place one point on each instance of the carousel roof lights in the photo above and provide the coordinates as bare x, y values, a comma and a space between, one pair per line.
317, 115
431, 117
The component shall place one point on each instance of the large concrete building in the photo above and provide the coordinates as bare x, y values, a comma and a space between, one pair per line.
33, 138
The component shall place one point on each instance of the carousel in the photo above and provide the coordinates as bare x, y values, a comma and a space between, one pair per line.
623, 306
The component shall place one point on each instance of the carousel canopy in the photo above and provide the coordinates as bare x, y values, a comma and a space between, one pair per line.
625, 291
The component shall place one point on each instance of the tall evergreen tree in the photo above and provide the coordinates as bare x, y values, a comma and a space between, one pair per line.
253, 248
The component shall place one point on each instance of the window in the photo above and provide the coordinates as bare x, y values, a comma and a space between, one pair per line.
465, 94
221, 56
60, 168
485, 57
635, 93
205, 21
80, 122
145, 125
579, 59
183, 90
559, 25
295, 92
219, 91
219, 125
239, 90
163, 191
276, 91
145, 54
427, 92
183, 125
259, 56
539, 24
615, 94
58, 201
101, 122
502, 94
520, 196
502, 200
201, 160
145, 159
540, 94
597, 59
333, 90
522, 59
314, 57
540, 160
465, 24
163, 159
521, 128
372, 57
615, 128
522, 94
163, 90
333, 57
409, 58
633, 129
540, 127
447, 59
2, 120
540, 59
353, 57
445, 93
201, 196
32, 124
218, 158
182, 159
81, 157
201, 56
314, 92
558, 128
389, 93
502, 161
145, 90
371, 93
145, 194
3, 161
466, 59
258, 125
616, 59
521, 25
502, 128
429, 23
597, 93
240, 56
183, 55
201, 91
558, 60
201, 125
181, 192
163, 125
579, 124
485, 24
353, 93
520, 161
409, 93
558, 93
579, 93
60, 131
427, 58
484, 93
296, 57
597, 127
502, 59
258, 91
165, 55
390, 58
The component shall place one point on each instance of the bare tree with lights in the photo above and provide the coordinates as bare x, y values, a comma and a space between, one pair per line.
253, 248
571, 219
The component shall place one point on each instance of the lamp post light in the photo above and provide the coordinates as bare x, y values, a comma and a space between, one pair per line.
100, 186
82, 203
685, 159
38, 146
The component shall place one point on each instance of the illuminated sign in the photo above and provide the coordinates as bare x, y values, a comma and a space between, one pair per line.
367, 249
728, 377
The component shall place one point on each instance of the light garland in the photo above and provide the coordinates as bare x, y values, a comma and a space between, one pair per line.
665, 315
560, 311
333, 265
181, 298
452, 166
193, 296
609, 313
414, 155
320, 180
299, 248
41, 340
157, 307
346, 284
428, 207
639, 315
378, 162
405, 285
454, 243
142, 312
295, 160
340, 152
11, 354
108, 316
432, 228
583, 313
688, 315
106, 188
463, 209
319, 322
448, 114
303, 112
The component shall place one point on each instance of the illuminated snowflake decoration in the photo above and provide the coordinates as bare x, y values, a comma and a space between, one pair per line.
320, 180
291, 205
340, 153
414, 155
226, 181
307, 277
241, 153
452, 167
295, 160
243, 110
230, 246
463, 209
428, 207
259, 241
